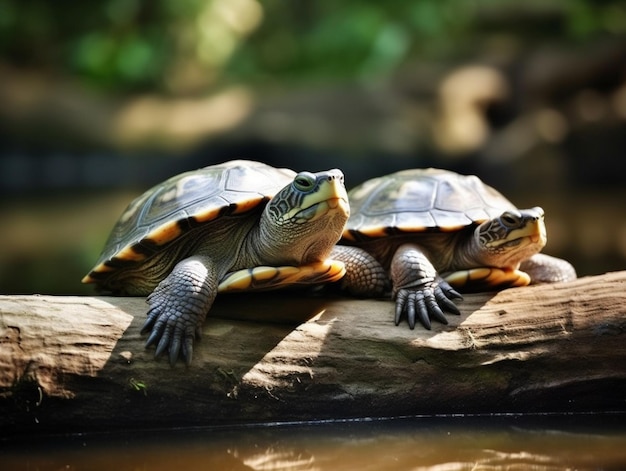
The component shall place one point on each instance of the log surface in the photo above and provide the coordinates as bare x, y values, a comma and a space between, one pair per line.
70, 364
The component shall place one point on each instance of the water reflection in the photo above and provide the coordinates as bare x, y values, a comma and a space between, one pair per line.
540, 443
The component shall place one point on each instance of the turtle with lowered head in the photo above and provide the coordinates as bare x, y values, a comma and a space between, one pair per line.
239, 225
425, 233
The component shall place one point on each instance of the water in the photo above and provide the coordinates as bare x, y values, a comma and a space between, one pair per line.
540, 442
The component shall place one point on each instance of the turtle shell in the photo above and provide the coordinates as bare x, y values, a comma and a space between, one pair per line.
420, 200
165, 212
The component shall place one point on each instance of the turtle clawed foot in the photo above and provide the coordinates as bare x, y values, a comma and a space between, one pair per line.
426, 303
178, 306
175, 341
174, 334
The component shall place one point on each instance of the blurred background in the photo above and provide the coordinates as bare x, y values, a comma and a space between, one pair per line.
101, 100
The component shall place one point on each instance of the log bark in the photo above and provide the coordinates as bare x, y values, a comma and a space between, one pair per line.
71, 364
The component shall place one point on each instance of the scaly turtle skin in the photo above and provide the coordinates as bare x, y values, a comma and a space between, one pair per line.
426, 232
240, 225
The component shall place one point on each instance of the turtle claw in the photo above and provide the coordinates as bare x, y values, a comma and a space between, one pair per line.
445, 304
433, 308
421, 312
174, 349
147, 326
449, 292
156, 331
425, 321
188, 351
426, 303
399, 310
444, 296
182, 344
162, 346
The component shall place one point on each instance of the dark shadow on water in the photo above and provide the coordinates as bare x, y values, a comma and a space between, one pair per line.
452, 442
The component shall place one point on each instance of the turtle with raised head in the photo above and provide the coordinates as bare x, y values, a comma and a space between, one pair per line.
425, 233
240, 225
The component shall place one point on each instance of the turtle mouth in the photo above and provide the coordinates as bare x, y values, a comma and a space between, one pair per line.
321, 208
532, 234
339, 202
527, 240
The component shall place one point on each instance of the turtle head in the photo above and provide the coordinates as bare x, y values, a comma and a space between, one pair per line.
305, 219
512, 237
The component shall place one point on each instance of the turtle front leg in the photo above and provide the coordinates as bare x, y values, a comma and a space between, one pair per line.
178, 307
544, 268
418, 289
365, 276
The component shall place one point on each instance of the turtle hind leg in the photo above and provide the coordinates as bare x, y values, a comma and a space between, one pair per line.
544, 268
265, 278
487, 279
178, 307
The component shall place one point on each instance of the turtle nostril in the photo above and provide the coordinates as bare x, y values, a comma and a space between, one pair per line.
333, 176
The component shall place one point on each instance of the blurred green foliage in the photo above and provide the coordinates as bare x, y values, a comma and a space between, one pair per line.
188, 45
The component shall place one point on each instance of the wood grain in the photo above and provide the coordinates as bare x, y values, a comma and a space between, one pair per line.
79, 363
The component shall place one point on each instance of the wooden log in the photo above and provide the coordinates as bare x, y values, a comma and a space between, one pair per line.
70, 364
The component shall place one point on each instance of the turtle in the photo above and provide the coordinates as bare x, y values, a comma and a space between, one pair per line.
428, 233
236, 226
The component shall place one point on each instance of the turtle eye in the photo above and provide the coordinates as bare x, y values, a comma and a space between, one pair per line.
510, 219
304, 181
